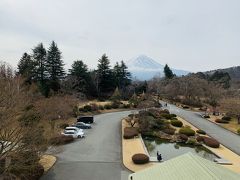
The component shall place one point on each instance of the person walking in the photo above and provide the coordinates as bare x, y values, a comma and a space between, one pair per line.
159, 157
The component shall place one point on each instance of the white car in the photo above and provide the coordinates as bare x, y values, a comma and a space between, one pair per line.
73, 133
83, 125
73, 128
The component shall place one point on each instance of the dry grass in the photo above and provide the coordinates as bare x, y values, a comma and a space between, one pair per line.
47, 161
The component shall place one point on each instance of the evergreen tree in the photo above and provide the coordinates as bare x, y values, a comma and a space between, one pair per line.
105, 76
168, 72
25, 67
39, 58
121, 75
40, 71
54, 66
79, 71
116, 96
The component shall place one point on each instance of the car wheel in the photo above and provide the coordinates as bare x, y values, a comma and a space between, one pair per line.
79, 136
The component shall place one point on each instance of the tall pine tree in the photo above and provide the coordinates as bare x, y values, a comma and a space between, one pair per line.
105, 76
168, 72
122, 75
54, 66
25, 67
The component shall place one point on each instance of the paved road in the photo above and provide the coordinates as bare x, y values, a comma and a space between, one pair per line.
96, 157
225, 137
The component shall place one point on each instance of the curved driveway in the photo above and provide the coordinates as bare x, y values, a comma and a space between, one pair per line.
225, 137
96, 157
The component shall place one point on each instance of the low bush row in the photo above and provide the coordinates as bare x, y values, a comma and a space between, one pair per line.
61, 139
226, 118
140, 158
221, 121
183, 137
94, 107
170, 131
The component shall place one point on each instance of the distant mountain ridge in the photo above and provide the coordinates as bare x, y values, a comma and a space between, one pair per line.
145, 68
234, 72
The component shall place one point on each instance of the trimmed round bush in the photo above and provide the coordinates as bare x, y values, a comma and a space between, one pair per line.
130, 132
211, 142
226, 118
187, 131
177, 123
140, 158
183, 137
200, 138
206, 116
199, 131
221, 121
173, 115
165, 111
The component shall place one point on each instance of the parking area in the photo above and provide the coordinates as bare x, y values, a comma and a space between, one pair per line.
97, 156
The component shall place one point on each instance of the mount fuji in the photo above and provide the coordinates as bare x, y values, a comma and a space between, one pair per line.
145, 68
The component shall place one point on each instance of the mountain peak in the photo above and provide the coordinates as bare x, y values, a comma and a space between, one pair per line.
144, 68
145, 62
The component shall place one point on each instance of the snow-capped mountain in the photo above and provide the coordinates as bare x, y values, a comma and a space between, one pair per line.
145, 68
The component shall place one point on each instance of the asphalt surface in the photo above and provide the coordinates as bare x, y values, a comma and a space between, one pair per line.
225, 137
96, 157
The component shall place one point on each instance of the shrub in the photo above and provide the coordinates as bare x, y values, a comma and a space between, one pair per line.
199, 131
185, 107
63, 125
200, 138
165, 111
130, 132
206, 116
191, 141
238, 131
183, 137
211, 142
221, 121
115, 104
85, 108
170, 131
226, 118
173, 115
177, 123
187, 131
60, 140
94, 107
126, 106
108, 106
140, 158
101, 107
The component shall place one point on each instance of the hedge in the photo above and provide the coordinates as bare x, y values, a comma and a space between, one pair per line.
177, 123
211, 142
187, 131
221, 121
199, 131
140, 158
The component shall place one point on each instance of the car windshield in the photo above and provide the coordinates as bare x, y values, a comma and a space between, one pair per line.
71, 129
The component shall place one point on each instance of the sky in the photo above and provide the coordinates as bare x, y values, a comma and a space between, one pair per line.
191, 35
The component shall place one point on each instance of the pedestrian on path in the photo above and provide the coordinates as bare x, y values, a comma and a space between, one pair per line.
159, 157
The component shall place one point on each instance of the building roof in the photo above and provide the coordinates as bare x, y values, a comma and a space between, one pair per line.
186, 167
